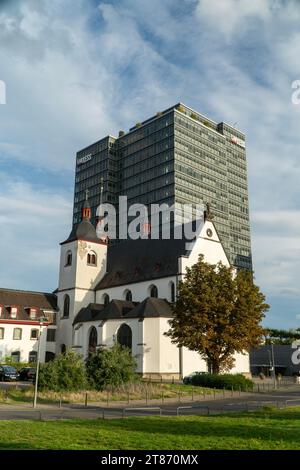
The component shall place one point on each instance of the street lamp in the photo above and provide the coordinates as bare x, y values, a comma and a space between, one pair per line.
273, 366
42, 320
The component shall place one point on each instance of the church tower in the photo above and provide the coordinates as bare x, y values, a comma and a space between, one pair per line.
82, 266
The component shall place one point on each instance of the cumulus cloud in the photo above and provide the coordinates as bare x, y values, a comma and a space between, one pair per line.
76, 71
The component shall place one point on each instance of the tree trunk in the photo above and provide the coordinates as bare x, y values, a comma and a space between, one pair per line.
215, 367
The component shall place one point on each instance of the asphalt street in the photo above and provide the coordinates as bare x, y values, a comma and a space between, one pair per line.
289, 396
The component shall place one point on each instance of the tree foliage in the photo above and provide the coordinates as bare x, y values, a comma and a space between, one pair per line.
110, 367
65, 373
217, 313
274, 336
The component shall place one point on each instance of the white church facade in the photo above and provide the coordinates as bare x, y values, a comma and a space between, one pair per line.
121, 292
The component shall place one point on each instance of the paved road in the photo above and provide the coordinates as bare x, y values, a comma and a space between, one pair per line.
248, 402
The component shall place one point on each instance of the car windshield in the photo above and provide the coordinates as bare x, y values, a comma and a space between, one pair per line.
9, 369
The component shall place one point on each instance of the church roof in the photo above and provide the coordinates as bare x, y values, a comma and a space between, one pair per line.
117, 309
83, 231
131, 261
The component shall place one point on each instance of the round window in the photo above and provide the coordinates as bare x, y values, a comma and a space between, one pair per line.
209, 232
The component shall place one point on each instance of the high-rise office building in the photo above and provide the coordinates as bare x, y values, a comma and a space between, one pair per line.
176, 157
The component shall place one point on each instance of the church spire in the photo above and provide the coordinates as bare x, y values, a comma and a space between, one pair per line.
86, 209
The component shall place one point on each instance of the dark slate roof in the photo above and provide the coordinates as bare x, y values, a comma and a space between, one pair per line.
83, 231
152, 307
25, 300
117, 309
131, 261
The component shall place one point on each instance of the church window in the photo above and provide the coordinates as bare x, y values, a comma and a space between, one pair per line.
68, 258
63, 348
92, 259
153, 291
128, 295
124, 336
105, 299
172, 291
66, 311
1, 333
93, 339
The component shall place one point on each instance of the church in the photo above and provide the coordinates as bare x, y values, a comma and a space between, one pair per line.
110, 293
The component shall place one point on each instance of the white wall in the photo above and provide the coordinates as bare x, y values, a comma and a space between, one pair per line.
8, 345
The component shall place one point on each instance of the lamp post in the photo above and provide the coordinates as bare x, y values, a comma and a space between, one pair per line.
41, 322
273, 366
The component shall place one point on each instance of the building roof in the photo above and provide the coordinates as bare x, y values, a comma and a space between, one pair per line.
25, 300
83, 231
139, 260
117, 309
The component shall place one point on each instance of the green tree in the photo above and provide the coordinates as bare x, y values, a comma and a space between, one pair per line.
65, 373
114, 367
281, 336
217, 313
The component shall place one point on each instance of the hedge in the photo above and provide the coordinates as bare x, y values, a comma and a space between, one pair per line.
227, 381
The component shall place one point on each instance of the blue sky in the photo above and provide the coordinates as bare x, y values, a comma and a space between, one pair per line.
76, 70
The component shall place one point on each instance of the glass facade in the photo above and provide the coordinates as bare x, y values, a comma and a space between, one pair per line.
177, 156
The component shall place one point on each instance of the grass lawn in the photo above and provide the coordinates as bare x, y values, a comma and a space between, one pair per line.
136, 391
269, 429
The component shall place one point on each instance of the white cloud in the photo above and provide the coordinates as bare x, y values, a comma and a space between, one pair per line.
69, 83
231, 16
33, 222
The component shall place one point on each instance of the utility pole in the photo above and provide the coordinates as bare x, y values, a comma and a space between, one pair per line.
41, 321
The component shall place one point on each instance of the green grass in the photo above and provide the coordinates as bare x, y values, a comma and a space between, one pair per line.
268, 429
136, 392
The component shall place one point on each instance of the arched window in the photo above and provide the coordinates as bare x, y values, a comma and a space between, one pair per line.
66, 312
68, 258
93, 339
124, 336
128, 295
105, 299
92, 258
172, 291
32, 357
153, 291
63, 348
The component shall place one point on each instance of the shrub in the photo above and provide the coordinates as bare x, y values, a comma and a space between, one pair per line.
227, 381
110, 367
194, 116
65, 373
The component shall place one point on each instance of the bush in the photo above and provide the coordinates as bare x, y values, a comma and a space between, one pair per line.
110, 367
65, 373
227, 381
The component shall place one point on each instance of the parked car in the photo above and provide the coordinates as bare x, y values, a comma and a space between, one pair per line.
188, 378
27, 373
8, 373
